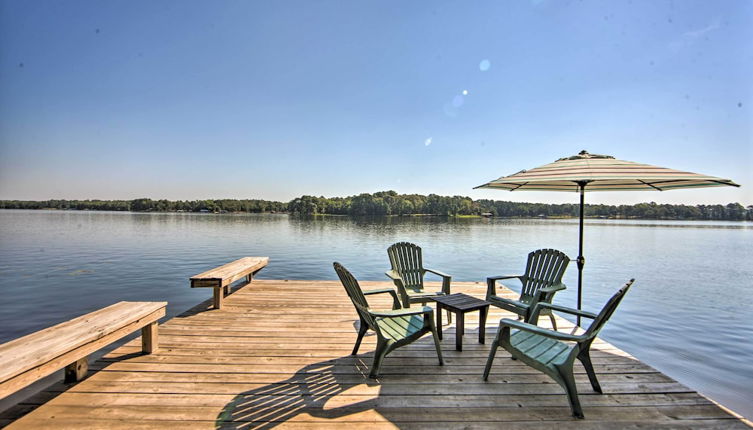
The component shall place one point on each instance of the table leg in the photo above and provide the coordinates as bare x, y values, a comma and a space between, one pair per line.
439, 320
482, 324
459, 330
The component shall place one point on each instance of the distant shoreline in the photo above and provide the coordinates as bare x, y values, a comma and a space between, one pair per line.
382, 216
390, 203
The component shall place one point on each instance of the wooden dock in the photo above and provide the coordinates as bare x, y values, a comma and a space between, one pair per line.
277, 354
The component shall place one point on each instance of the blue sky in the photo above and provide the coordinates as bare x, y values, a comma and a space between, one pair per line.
257, 99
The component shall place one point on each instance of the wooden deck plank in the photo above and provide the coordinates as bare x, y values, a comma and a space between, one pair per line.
254, 364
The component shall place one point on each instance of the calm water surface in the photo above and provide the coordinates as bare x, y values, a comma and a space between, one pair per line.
689, 313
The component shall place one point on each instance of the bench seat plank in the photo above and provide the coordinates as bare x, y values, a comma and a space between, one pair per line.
221, 277
34, 356
230, 272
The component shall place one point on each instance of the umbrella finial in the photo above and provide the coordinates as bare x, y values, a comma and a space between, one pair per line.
584, 154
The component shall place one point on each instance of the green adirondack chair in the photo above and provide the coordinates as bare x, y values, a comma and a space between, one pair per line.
541, 280
408, 273
552, 352
394, 328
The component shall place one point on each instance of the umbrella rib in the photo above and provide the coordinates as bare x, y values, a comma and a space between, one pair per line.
724, 183
650, 185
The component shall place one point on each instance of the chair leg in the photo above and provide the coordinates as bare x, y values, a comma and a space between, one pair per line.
568, 382
449, 317
585, 359
436, 339
490, 360
362, 329
379, 354
554, 322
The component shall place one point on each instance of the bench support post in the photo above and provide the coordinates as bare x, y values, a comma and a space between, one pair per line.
76, 371
150, 338
250, 276
218, 297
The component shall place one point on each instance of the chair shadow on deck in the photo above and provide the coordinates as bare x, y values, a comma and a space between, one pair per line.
332, 390
309, 390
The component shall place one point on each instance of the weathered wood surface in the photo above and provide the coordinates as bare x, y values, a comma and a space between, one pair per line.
32, 357
228, 273
221, 277
278, 355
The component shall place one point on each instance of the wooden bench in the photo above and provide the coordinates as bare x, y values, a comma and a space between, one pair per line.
34, 356
221, 277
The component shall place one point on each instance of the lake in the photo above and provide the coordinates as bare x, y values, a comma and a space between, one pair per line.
688, 315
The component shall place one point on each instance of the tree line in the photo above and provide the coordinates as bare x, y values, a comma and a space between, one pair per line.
149, 205
392, 203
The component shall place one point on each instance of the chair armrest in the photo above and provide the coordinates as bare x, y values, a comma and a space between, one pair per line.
553, 289
541, 305
390, 291
500, 277
403, 312
378, 291
520, 325
491, 283
398, 281
546, 294
513, 302
446, 279
438, 273
393, 275
510, 305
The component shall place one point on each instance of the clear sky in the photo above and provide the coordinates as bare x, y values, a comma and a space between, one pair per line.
276, 99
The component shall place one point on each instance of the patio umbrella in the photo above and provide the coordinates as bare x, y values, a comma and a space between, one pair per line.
593, 172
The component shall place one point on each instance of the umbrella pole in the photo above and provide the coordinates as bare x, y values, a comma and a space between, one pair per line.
581, 260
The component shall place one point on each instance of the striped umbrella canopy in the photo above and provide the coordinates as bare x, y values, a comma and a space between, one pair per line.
593, 172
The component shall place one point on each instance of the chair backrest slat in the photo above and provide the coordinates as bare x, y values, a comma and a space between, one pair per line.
406, 259
355, 294
544, 268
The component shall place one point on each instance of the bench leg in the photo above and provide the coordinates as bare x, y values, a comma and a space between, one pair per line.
250, 276
149, 338
76, 371
217, 297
